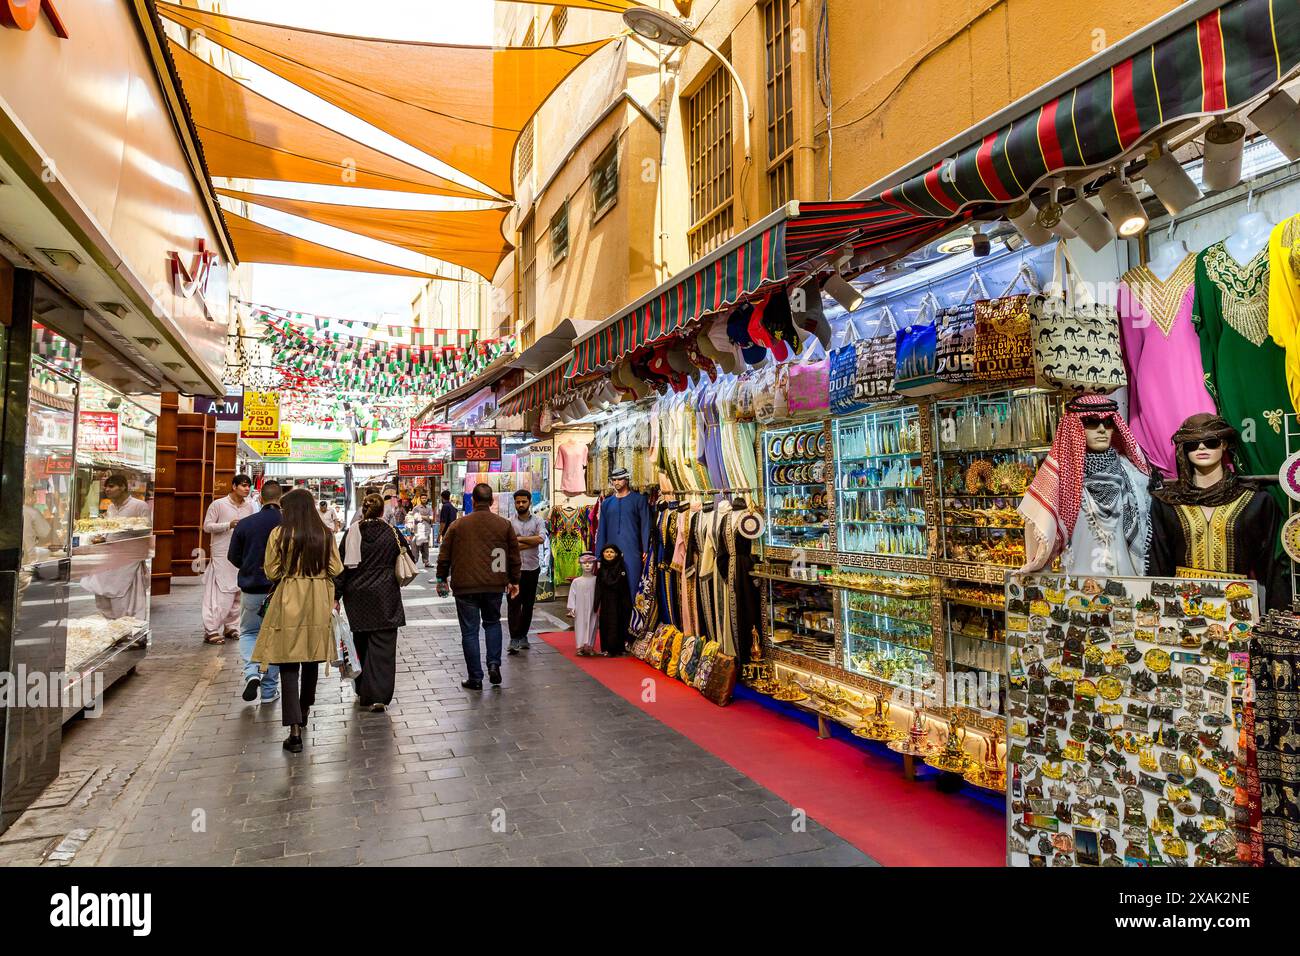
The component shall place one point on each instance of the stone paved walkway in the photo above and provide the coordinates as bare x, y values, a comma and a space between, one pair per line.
550, 769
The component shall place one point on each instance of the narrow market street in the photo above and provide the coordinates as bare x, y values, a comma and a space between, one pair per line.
551, 770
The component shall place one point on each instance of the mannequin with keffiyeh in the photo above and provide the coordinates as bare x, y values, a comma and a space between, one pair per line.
1089, 503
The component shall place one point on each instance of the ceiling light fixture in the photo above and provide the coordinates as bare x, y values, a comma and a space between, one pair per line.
1169, 181
843, 292
1278, 118
660, 27
1051, 216
980, 244
115, 309
1123, 206
63, 258
1221, 168
1089, 224
1024, 217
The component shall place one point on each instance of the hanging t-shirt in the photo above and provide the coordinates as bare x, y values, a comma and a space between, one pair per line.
573, 468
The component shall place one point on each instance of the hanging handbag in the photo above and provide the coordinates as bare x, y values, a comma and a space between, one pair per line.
954, 349
876, 359
844, 372
914, 356
405, 569
1004, 350
808, 378
1076, 340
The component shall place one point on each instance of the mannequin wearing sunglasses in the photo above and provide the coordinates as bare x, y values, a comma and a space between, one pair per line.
1211, 521
1088, 504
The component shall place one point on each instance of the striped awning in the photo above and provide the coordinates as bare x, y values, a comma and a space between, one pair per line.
782, 247
1215, 65
547, 385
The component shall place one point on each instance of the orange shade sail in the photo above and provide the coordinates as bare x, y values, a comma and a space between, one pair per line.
255, 242
247, 136
464, 105
610, 6
470, 237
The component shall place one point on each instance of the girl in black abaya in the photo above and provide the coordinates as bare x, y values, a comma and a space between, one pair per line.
613, 601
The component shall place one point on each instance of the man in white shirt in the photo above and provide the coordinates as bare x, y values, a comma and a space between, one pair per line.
531, 532
121, 591
220, 577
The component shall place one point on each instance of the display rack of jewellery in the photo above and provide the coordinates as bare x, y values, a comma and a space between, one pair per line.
909, 615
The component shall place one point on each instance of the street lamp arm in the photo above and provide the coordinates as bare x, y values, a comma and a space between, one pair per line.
740, 87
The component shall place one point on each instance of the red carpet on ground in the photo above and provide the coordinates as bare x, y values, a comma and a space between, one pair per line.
861, 796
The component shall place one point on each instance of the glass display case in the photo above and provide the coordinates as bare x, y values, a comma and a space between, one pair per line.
886, 617
798, 515
803, 618
879, 483
988, 448
975, 622
112, 543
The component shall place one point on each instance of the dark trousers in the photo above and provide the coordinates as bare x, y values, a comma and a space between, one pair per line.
470, 610
378, 653
421, 552
519, 610
296, 700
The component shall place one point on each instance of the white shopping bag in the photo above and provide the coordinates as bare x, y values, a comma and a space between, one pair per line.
345, 649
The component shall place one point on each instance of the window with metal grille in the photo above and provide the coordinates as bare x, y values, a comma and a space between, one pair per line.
524, 149
604, 181
560, 233
780, 102
559, 20
708, 126
527, 273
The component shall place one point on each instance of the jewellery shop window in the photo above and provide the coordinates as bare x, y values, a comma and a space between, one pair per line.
879, 483
803, 620
798, 515
113, 540
887, 632
974, 617
988, 448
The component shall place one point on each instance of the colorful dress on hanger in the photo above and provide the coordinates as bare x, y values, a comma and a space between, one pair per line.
1244, 368
568, 531
686, 522
1284, 298
1162, 356
669, 606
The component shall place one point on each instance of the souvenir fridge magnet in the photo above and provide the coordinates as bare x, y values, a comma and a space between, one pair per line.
1291, 535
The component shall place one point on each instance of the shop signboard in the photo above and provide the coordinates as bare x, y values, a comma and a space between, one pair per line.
419, 468
471, 447
227, 408
281, 447
423, 438
98, 431
261, 415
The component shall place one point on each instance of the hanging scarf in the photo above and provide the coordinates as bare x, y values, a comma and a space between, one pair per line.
1185, 491
1054, 498
1111, 492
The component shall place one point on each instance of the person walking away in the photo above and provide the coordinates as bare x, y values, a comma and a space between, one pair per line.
625, 522
582, 605
248, 554
480, 557
122, 591
372, 599
531, 532
613, 601
220, 577
446, 514
298, 629
420, 522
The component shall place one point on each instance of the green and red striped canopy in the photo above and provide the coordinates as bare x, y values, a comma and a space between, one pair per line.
1216, 65
548, 384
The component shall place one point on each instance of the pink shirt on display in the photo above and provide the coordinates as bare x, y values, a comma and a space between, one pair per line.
573, 467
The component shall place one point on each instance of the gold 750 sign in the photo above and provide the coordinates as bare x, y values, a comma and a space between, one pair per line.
23, 14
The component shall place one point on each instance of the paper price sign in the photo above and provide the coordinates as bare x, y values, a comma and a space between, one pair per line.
261, 415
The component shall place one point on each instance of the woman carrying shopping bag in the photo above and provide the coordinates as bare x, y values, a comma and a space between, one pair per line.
372, 597
297, 629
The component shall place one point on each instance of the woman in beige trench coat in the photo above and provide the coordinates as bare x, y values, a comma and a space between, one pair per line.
298, 630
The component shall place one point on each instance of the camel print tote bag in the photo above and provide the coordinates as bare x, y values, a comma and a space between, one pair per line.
1076, 340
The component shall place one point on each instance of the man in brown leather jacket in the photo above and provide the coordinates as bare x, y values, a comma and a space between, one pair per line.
480, 556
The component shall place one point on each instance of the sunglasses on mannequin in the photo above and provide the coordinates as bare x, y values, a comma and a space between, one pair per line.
1098, 421
1210, 443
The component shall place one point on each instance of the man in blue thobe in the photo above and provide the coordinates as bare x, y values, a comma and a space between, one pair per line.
625, 521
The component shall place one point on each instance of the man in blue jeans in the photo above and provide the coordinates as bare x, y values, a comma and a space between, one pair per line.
247, 550
480, 556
